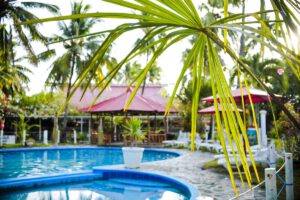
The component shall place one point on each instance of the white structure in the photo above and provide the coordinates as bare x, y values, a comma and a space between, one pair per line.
24, 137
75, 136
1, 137
271, 188
45, 138
263, 129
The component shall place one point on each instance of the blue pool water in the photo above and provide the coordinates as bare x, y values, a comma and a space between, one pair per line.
103, 189
16, 164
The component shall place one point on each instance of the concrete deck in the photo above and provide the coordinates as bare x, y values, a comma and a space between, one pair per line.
188, 167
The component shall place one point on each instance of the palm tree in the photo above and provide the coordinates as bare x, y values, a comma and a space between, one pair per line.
129, 73
13, 76
12, 12
65, 67
265, 70
179, 21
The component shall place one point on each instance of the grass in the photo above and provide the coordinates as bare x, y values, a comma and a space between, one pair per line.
18, 145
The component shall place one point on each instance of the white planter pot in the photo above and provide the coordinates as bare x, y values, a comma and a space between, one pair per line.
132, 156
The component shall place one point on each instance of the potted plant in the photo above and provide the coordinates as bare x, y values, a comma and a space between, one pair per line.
133, 155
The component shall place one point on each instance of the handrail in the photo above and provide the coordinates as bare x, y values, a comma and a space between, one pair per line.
258, 185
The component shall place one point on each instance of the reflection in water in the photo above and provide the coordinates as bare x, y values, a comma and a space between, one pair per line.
100, 190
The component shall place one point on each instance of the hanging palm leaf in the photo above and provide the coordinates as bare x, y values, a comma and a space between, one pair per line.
179, 20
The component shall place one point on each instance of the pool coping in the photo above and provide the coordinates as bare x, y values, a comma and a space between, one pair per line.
95, 173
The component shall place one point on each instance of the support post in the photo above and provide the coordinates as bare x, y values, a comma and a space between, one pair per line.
289, 176
58, 137
81, 124
263, 126
115, 132
45, 138
272, 158
100, 132
271, 188
1, 139
24, 137
213, 128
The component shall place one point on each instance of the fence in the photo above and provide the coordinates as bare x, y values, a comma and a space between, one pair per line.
271, 176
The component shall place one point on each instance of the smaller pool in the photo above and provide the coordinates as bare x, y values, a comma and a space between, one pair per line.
102, 184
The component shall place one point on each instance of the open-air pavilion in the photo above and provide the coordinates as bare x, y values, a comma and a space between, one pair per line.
140, 105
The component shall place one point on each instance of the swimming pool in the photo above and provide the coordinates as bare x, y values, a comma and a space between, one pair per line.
16, 163
61, 173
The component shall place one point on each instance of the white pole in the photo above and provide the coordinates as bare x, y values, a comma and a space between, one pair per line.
1, 139
24, 137
100, 126
272, 154
58, 137
45, 137
90, 130
271, 188
75, 136
289, 176
213, 129
81, 124
115, 132
263, 136
167, 121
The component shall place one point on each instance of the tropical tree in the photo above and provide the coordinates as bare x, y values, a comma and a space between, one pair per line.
13, 78
180, 20
129, 73
12, 12
65, 67
266, 70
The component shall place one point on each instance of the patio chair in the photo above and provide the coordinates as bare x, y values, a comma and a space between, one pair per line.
180, 137
184, 140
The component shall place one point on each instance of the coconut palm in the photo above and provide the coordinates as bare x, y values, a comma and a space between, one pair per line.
129, 73
180, 20
13, 76
265, 70
12, 12
65, 67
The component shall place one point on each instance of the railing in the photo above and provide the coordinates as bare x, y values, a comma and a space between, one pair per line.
270, 181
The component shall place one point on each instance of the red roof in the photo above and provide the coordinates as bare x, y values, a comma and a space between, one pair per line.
117, 104
152, 93
257, 96
211, 110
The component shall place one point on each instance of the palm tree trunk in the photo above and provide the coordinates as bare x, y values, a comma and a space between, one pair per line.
65, 121
144, 82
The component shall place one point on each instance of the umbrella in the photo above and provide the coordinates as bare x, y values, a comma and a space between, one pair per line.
211, 110
257, 96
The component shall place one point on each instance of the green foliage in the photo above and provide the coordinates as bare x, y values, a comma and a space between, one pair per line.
22, 125
212, 164
132, 129
286, 131
41, 104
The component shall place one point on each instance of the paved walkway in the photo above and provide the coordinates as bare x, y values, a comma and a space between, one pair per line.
188, 167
